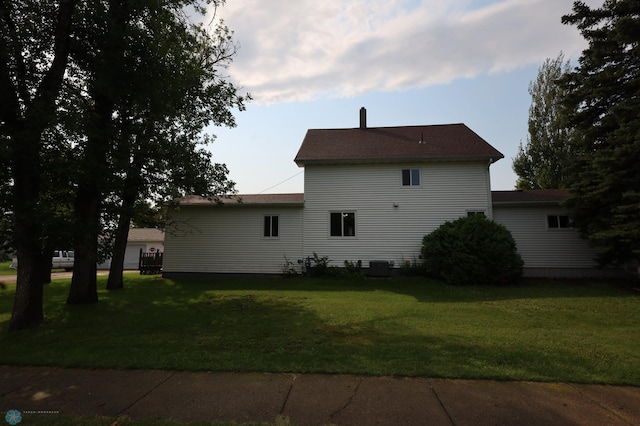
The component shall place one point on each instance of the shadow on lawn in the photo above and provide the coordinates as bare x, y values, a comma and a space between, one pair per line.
423, 289
183, 325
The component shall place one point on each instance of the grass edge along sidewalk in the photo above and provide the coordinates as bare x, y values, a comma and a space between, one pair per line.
566, 331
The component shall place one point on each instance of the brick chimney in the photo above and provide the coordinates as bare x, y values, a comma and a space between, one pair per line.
363, 118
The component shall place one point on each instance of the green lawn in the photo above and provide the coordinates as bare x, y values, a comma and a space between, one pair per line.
541, 330
5, 270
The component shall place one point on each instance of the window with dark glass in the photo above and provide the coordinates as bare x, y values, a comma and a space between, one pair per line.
270, 226
410, 177
558, 222
342, 224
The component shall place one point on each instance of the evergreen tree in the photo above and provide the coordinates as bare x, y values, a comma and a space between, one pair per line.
603, 107
542, 162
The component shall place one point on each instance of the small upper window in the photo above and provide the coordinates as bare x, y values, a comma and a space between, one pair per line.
271, 226
475, 213
558, 221
410, 177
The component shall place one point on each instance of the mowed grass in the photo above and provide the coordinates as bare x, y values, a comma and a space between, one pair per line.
5, 269
586, 332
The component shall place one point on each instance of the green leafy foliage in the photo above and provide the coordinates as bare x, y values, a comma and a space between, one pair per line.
602, 105
318, 266
543, 161
472, 250
105, 105
289, 268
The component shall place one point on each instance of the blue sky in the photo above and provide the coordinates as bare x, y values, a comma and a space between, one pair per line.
312, 64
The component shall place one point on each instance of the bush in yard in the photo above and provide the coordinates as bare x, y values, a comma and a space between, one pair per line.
472, 250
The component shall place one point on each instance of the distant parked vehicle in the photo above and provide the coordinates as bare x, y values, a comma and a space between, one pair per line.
62, 259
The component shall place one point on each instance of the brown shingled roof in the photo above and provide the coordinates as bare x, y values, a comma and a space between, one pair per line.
384, 144
246, 199
530, 196
145, 234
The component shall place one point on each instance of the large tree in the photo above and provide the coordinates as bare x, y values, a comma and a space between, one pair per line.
160, 126
542, 163
62, 154
161, 87
34, 53
603, 107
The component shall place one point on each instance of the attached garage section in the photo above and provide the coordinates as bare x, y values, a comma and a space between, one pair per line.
549, 246
255, 235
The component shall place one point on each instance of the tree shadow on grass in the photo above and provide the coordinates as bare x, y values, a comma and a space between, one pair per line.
422, 289
184, 326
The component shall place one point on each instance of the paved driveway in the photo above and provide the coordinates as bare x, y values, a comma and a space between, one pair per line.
57, 275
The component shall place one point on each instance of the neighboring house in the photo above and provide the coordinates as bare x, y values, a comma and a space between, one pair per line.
145, 239
371, 194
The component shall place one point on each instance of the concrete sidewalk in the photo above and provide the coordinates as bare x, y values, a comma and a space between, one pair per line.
311, 399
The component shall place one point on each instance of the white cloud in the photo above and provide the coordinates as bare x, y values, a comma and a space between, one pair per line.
305, 49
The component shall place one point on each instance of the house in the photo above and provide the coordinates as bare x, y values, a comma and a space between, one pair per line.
370, 194
549, 246
148, 240
240, 234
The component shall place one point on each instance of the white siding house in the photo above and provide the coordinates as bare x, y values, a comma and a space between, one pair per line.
390, 219
391, 186
145, 239
548, 244
237, 235
371, 194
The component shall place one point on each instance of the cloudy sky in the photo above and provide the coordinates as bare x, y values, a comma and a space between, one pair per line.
311, 64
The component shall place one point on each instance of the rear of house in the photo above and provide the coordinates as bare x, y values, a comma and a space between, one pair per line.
541, 227
253, 234
371, 194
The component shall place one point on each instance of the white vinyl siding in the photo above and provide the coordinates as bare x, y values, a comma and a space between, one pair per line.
391, 221
541, 247
132, 255
230, 239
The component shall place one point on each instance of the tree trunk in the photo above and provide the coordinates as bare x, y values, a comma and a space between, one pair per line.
84, 286
104, 91
25, 128
115, 280
27, 305
44, 266
129, 196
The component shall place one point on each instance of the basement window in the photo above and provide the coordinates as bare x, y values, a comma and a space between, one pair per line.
342, 224
558, 221
271, 226
410, 177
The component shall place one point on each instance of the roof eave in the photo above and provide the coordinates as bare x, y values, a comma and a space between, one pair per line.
527, 203
302, 162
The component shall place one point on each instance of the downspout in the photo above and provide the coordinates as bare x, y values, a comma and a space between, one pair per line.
489, 196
